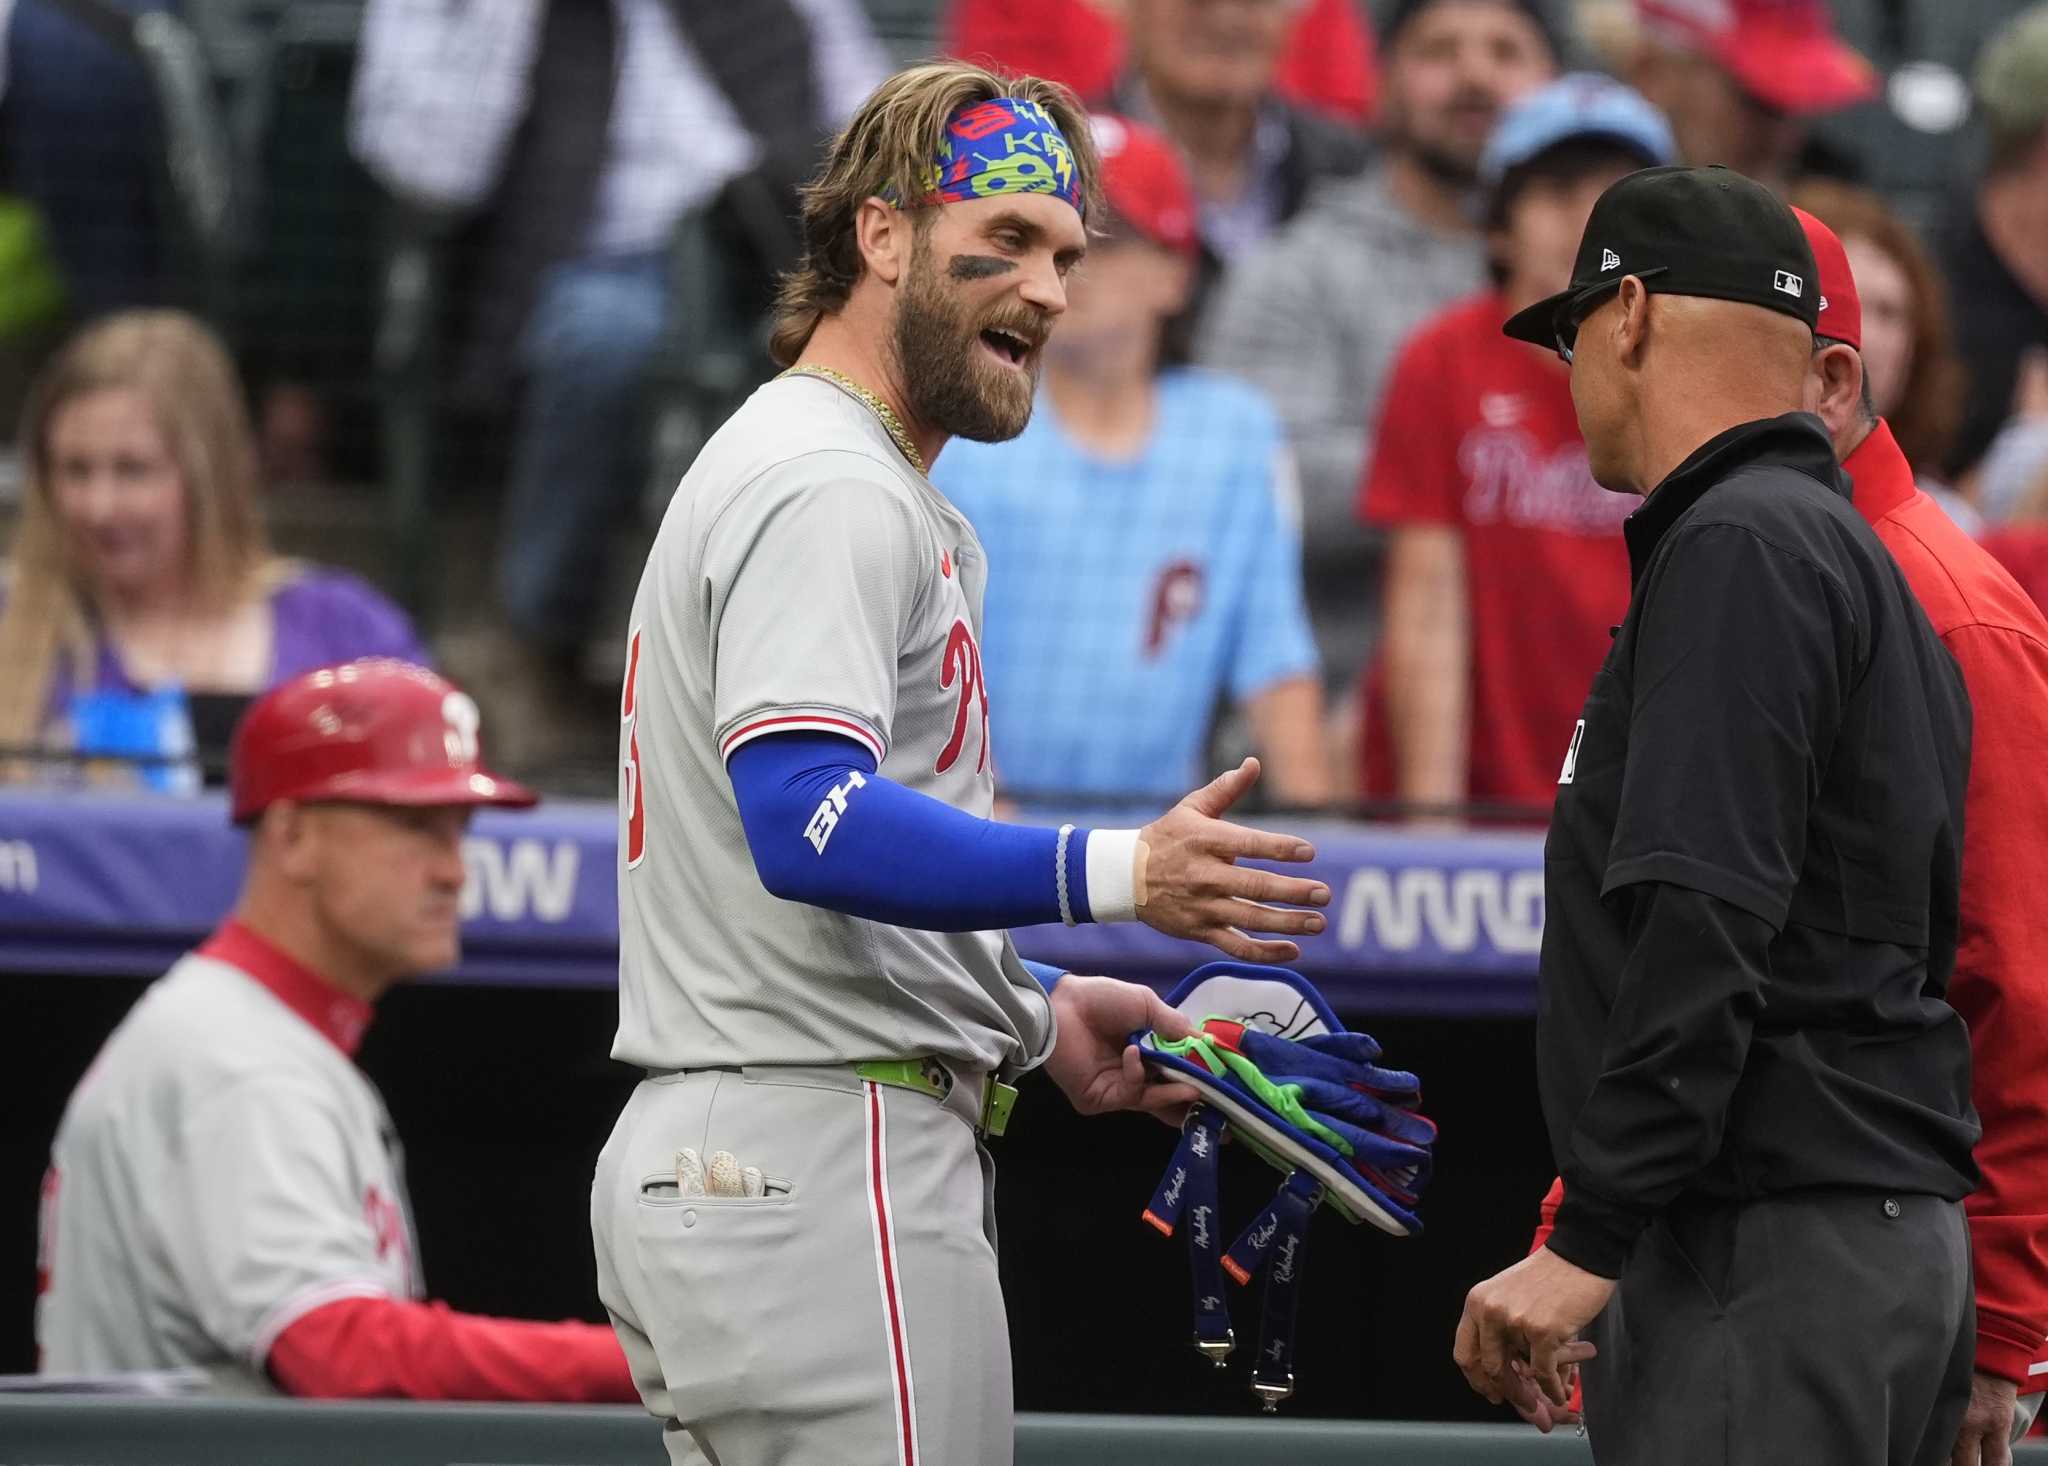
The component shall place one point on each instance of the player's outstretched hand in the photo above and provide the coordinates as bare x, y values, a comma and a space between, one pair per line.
1094, 1063
1193, 886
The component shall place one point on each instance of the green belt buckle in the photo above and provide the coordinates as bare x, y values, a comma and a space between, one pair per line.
930, 1077
922, 1076
997, 1100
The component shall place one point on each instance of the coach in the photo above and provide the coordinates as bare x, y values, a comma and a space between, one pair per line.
2000, 641
1756, 1091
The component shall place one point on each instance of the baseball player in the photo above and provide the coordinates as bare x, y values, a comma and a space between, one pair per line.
793, 1216
225, 1190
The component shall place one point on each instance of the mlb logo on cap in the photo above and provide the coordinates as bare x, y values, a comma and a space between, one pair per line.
1788, 283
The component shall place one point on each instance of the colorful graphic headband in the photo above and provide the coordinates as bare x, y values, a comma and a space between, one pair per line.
1001, 146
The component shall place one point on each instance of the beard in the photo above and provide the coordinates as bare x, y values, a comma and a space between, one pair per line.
1434, 144
1452, 166
949, 382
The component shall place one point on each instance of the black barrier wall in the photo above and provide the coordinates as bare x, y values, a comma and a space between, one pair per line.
503, 1098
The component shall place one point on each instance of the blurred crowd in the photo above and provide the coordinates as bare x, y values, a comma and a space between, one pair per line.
491, 274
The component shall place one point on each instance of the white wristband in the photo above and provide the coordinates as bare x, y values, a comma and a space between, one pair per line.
1113, 875
1059, 875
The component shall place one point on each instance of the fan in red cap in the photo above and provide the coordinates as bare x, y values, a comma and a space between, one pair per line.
377, 731
224, 1194
2000, 640
1145, 183
1741, 79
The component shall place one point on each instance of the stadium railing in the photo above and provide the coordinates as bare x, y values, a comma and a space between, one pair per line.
90, 1431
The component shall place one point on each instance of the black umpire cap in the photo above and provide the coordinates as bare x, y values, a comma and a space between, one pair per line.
1683, 231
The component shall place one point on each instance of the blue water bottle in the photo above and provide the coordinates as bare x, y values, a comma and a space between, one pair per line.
151, 732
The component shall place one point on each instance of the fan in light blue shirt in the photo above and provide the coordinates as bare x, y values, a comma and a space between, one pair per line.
1144, 551
1129, 595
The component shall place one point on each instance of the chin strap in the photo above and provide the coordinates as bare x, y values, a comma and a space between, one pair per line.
1189, 1188
1274, 1242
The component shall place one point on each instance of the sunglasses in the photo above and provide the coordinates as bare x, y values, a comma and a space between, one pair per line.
1572, 314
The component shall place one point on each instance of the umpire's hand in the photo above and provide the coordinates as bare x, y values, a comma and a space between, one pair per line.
1189, 884
1531, 1313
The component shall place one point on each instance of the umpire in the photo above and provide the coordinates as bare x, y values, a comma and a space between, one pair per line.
1756, 1092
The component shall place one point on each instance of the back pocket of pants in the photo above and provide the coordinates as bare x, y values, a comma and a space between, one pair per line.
662, 1190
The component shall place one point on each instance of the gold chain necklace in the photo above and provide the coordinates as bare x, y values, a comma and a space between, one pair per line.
883, 412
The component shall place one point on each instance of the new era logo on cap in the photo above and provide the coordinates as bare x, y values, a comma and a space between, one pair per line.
1787, 283
1609, 260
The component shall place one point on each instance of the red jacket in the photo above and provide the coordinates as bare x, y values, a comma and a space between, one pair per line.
1999, 638
2023, 550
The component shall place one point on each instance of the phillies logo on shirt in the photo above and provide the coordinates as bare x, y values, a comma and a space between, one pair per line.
1509, 479
631, 791
1176, 598
961, 663
387, 1223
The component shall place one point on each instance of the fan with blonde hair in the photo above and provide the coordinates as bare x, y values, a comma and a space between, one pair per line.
231, 617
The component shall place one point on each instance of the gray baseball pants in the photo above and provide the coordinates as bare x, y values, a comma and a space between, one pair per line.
852, 1313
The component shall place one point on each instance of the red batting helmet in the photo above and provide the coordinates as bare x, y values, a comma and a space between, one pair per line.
377, 731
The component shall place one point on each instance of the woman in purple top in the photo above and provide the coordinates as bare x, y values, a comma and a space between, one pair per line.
141, 560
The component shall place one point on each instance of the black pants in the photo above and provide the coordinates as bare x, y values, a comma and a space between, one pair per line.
1828, 1328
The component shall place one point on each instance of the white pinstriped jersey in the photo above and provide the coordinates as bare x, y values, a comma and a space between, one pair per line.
805, 577
222, 1170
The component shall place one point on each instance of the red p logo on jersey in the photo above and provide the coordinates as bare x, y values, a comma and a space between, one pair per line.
962, 663
631, 790
1176, 598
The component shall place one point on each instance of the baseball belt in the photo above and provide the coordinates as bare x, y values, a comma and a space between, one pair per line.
930, 1077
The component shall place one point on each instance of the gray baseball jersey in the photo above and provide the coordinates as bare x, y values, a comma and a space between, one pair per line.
222, 1170
805, 578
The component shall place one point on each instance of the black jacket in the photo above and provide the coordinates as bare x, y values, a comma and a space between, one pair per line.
1752, 868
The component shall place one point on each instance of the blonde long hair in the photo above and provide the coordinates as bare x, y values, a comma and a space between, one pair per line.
887, 150
183, 370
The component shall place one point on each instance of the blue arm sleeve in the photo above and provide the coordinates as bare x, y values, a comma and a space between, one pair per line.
827, 830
